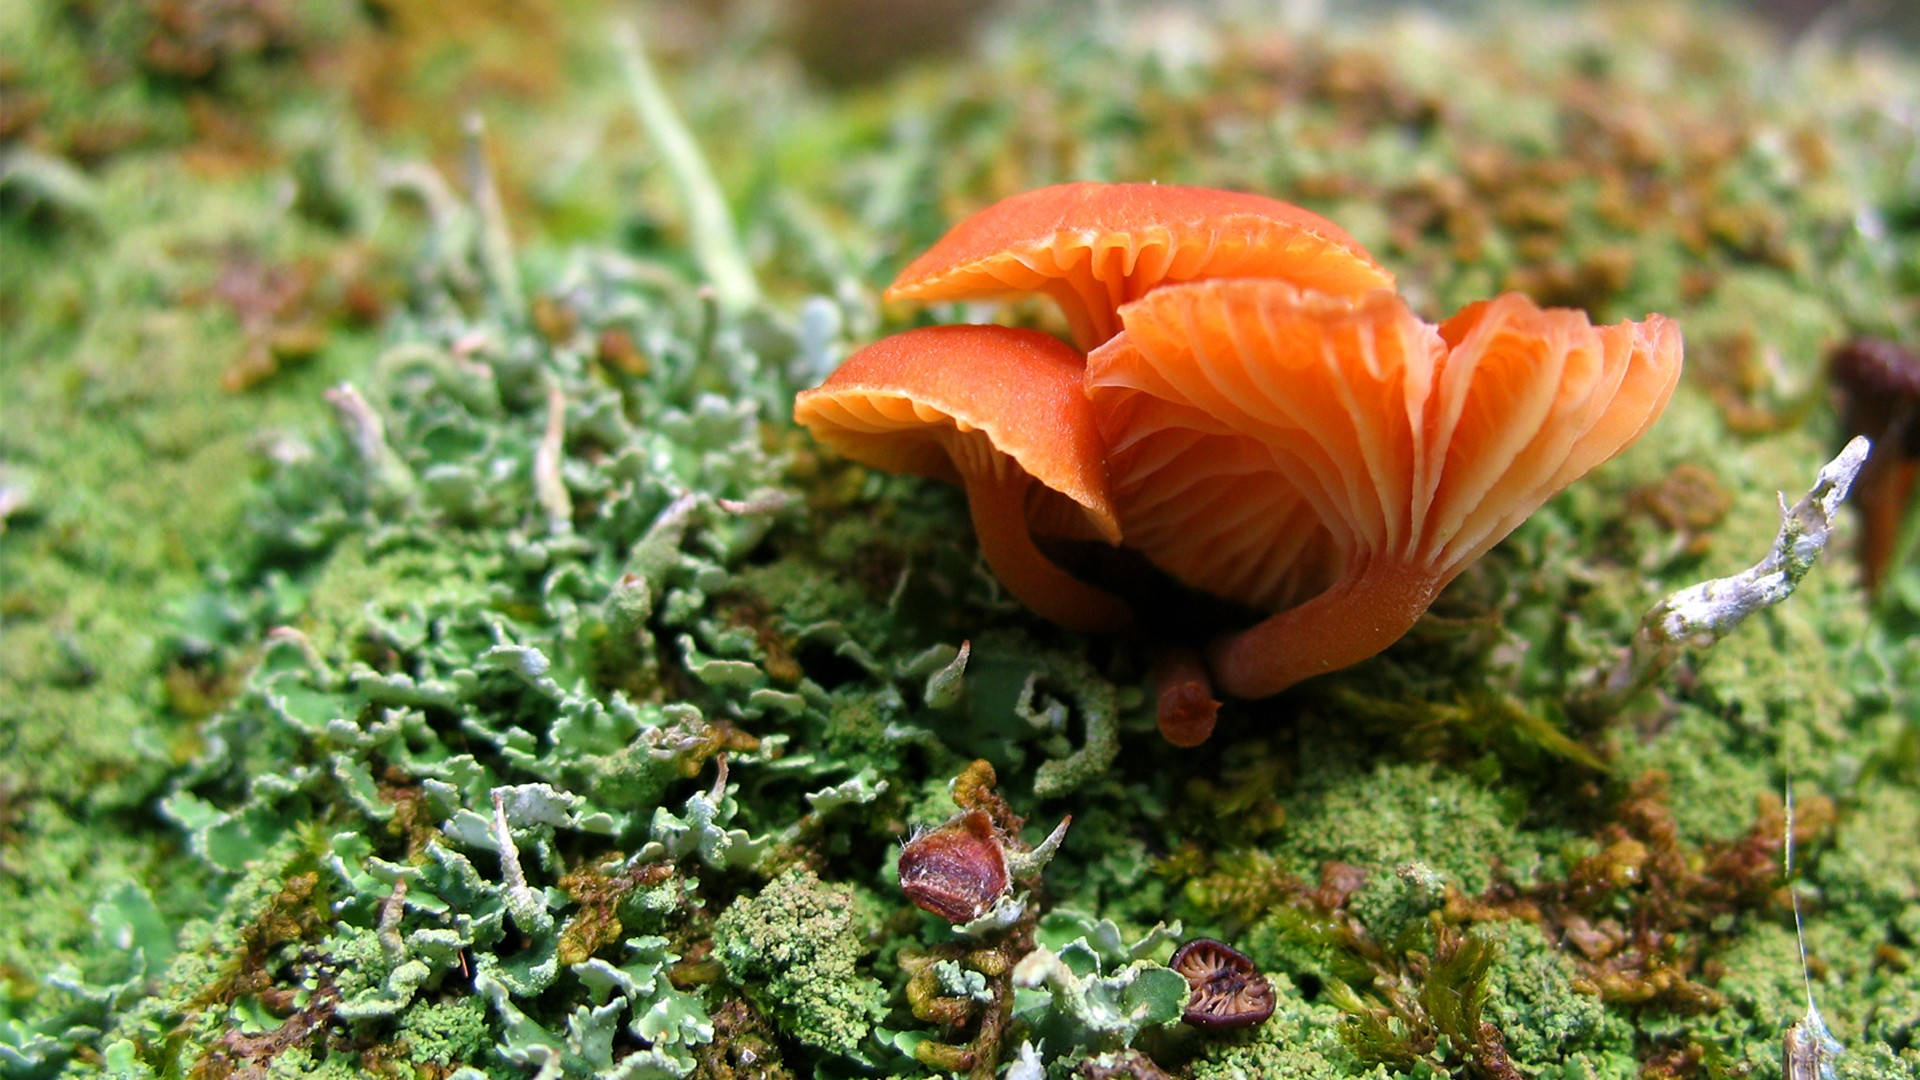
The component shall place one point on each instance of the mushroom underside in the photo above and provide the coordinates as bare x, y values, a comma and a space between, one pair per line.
1415, 447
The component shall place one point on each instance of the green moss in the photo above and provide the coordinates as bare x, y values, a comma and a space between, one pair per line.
795, 947
360, 963
1870, 866
1877, 1061
299, 1063
1398, 814
1532, 999
1301, 1041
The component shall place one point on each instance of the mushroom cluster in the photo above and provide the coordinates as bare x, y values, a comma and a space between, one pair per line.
1258, 414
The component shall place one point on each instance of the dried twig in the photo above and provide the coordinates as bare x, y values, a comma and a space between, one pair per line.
1700, 615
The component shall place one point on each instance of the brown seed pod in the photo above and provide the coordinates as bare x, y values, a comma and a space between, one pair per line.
956, 871
1228, 992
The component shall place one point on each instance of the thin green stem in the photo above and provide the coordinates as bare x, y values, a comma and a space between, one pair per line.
716, 244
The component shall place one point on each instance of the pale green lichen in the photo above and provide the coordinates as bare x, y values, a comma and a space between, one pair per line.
796, 946
1096, 992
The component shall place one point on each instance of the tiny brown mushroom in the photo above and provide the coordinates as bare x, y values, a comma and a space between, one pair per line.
1183, 697
1879, 382
1000, 411
1228, 991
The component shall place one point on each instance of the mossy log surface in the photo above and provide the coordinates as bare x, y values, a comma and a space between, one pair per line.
429, 649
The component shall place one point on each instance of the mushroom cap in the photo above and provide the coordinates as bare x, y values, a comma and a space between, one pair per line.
1250, 379
1879, 382
942, 401
1227, 991
1094, 246
1414, 445
1879, 385
1529, 400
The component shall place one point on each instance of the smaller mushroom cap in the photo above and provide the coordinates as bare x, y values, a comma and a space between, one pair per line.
1880, 385
1184, 705
1228, 991
944, 400
1093, 247
1000, 411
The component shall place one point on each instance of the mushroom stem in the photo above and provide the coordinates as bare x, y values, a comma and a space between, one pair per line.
1369, 609
1088, 307
999, 508
1886, 488
1183, 697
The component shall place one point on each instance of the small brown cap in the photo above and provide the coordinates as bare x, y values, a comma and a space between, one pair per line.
1228, 991
1881, 382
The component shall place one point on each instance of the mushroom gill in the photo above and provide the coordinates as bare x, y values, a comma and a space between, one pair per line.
1001, 412
1207, 506
1093, 247
1416, 448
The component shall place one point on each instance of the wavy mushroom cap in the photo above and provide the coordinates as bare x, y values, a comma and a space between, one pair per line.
1252, 380
1417, 447
1093, 247
1001, 412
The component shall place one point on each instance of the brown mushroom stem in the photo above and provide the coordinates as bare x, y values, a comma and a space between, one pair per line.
999, 508
1183, 697
1369, 609
1884, 491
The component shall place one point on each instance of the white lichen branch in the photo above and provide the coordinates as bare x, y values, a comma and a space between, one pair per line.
715, 242
496, 239
392, 910
548, 486
388, 478
1700, 615
525, 903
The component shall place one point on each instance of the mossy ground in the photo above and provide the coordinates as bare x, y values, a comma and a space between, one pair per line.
225, 849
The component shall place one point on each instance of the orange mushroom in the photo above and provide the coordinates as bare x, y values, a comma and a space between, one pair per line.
1383, 454
1000, 411
1093, 247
